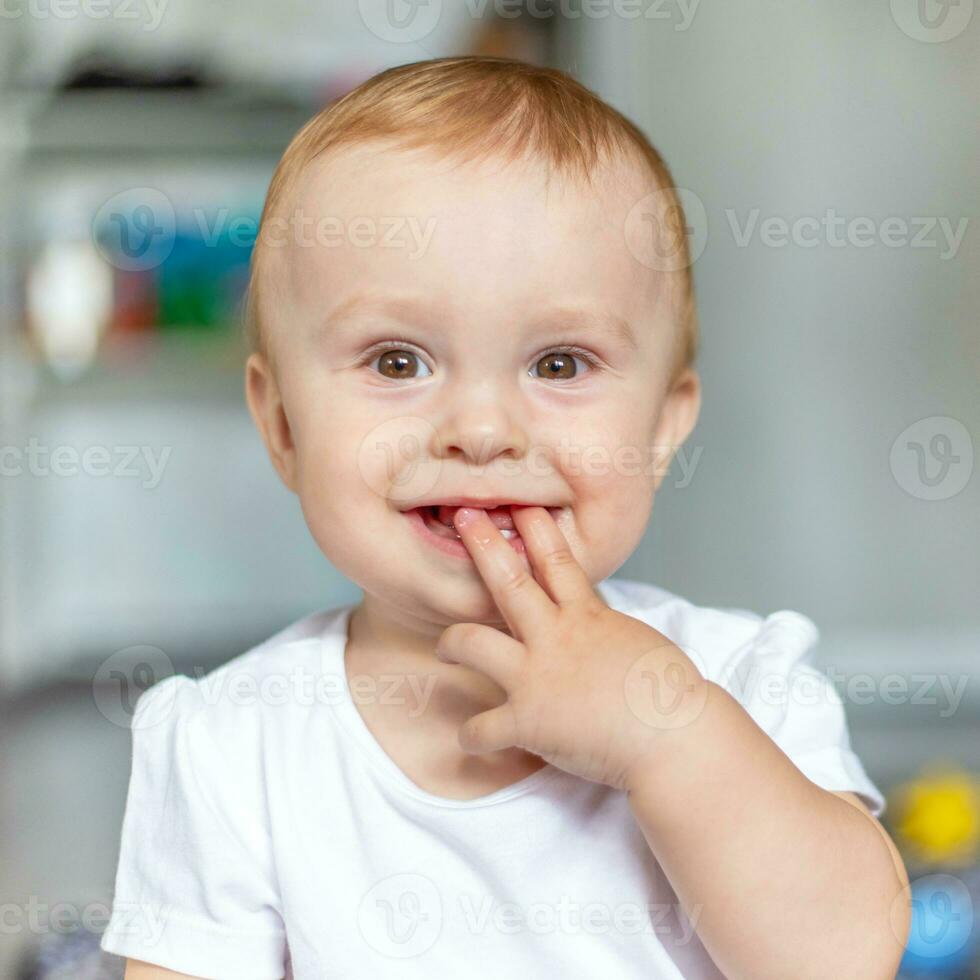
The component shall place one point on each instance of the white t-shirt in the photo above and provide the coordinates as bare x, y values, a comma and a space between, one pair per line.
268, 834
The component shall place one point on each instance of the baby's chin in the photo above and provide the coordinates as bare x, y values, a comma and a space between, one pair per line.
436, 602
463, 600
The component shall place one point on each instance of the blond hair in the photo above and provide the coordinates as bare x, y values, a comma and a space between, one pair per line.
476, 107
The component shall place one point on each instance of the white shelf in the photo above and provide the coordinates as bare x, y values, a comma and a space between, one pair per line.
53, 127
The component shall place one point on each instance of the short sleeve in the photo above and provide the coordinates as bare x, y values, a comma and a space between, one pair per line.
774, 678
195, 889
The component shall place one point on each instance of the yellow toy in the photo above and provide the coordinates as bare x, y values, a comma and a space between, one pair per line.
936, 817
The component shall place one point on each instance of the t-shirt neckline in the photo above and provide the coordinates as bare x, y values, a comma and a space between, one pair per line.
334, 644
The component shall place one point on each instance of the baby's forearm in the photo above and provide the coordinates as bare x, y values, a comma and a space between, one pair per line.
781, 878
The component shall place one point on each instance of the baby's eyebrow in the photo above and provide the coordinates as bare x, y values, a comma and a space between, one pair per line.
404, 308
411, 310
564, 318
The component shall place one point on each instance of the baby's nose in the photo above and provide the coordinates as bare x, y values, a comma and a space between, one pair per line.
480, 434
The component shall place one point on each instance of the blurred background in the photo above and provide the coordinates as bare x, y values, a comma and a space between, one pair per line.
828, 153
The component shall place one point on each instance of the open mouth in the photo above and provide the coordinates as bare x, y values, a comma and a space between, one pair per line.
439, 519
435, 522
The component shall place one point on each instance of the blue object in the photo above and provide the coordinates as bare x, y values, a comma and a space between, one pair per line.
942, 936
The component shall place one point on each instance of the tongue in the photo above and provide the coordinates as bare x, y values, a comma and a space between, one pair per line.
499, 515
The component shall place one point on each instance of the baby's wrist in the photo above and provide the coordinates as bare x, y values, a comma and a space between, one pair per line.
675, 754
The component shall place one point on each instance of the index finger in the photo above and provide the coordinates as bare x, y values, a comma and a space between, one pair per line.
554, 563
522, 601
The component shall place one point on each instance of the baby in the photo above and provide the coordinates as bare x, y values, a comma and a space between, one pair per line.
473, 326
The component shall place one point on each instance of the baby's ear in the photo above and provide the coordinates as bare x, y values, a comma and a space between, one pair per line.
269, 415
678, 416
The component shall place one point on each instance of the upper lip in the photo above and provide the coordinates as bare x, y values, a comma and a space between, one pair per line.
482, 503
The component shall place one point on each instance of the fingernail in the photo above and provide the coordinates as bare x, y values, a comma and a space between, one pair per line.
464, 515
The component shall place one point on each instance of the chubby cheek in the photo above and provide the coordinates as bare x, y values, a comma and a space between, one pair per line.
612, 482
343, 514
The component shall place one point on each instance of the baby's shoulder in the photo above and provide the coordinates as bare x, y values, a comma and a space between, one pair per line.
719, 640
233, 705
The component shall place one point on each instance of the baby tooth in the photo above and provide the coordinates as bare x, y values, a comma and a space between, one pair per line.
507, 533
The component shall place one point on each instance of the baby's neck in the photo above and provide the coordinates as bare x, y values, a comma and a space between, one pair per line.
378, 645
417, 721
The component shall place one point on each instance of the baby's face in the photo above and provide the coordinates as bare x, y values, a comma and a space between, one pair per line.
425, 366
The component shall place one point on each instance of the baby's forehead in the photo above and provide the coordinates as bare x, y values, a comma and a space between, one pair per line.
372, 174
388, 209
412, 214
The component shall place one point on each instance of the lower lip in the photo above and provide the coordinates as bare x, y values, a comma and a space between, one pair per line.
451, 546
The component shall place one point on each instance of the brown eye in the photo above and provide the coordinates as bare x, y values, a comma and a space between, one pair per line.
559, 364
399, 364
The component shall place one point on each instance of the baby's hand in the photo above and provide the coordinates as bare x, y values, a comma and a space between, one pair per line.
590, 690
